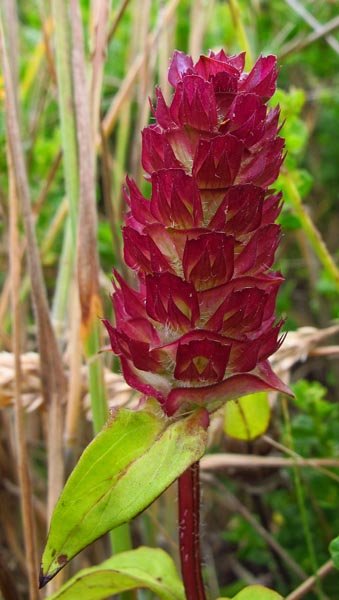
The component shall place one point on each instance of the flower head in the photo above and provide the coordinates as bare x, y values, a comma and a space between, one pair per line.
200, 325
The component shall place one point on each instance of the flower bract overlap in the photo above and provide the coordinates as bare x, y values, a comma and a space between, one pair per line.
199, 325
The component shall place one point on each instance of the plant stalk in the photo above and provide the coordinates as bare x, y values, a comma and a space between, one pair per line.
189, 533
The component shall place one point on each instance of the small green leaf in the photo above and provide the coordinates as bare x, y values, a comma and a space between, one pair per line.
256, 592
248, 417
127, 465
334, 551
148, 568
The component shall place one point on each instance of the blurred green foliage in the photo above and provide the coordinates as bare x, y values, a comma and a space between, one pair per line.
315, 432
309, 101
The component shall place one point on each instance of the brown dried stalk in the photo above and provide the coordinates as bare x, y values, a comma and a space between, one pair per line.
127, 84
302, 11
52, 380
15, 264
247, 461
200, 12
20, 434
117, 18
100, 10
75, 383
88, 263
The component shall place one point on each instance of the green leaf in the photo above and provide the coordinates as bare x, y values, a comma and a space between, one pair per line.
148, 568
334, 551
289, 221
128, 464
248, 417
256, 592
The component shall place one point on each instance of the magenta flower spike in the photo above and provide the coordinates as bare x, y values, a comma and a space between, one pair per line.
200, 324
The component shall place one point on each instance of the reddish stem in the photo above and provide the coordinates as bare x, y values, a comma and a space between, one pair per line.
189, 534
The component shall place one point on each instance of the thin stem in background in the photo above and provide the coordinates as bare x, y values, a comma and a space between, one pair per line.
199, 18
231, 502
247, 461
302, 11
301, 501
69, 152
189, 533
301, 43
240, 31
311, 582
127, 84
73, 409
310, 229
112, 214
141, 28
52, 375
63, 280
66, 109
87, 254
117, 18
48, 181
100, 10
298, 459
20, 434
35, 63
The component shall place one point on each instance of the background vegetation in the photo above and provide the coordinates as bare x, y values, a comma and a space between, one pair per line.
269, 516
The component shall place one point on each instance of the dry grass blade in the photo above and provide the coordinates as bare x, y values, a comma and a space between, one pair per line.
312, 21
117, 18
111, 212
200, 11
47, 183
100, 13
10, 23
247, 461
22, 453
165, 51
74, 358
325, 351
126, 86
88, 264
21, 445
298, 345
297, 458
145, 80
300, 44
52, 380
119, 393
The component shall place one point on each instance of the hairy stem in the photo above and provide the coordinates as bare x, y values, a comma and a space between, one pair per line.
189, 534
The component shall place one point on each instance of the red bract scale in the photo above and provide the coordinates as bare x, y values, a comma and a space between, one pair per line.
200, 325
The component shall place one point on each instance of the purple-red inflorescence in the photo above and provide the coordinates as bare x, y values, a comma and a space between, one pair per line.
200, 325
